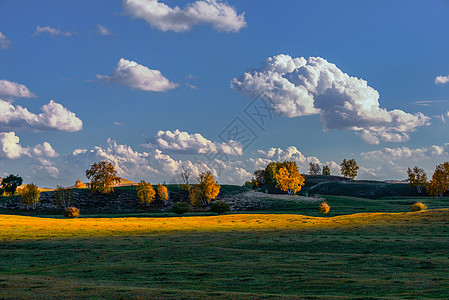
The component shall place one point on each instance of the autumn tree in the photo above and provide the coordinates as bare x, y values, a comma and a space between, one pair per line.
349, 168
29, 195
162, 192
314, 169
145, 192
326, 171
324, 208
10, 183
103, 177
207, 189
440, 181
80, 185
288, 178
185, 176
417, 178
63, 197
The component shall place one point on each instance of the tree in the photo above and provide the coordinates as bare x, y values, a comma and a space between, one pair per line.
314, 169
324, 208
349, 168
185, 176
440, 181
63, 197
10, 183
288, 178
103, 177
29, 195
207, 189
326, 171
145, 192
259, 178
162, 192
417, 178
80, 185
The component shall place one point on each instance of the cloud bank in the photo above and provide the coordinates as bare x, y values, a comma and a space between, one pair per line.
134, 75
300, 87
163, 17
10, 148
12, 89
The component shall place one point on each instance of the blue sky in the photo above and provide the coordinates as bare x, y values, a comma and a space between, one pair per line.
172, 96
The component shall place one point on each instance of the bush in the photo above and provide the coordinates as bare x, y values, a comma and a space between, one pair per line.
71, 212
181, 208
324, 208
418, 206
219, 207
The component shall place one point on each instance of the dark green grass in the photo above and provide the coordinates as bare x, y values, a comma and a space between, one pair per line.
404, 261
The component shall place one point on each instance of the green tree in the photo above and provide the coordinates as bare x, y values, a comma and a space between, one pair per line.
10, 183
326, 171
103, 177
417, 178
349, 168
29, 195
63, 197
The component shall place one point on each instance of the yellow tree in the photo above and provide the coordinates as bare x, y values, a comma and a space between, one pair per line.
324, 208
145, 192
103, 177
417, 178
440, 181
29, 195
80, 185
162, 192
288, 178
206, 190
349, 168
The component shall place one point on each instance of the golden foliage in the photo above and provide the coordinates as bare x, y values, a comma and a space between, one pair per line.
162, 192
349, 168
324, 208
288, 178
80, 185
440, 181
103, 177
71, 212
29, 195
206, 190
418, 206
145, 192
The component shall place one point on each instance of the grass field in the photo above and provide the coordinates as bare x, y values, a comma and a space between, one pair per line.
402, 255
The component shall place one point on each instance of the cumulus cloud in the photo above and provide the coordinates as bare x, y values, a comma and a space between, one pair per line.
103, 30
10, 148
11, 89
163, 17
4, 41
51, 31
300, 87
183, 142
139, 77
442, 79
407, 153
53, 117
44, 149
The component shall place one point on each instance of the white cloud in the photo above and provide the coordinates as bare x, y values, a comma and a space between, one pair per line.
51, 31
406, 153
13, 89
4, 41
442, 79
103, 30
161, 16
53, 117
181, 141
10, 148
45, 149
139, 77
300, 87
48, 166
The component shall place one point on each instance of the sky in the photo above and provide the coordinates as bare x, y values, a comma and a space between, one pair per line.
222, 86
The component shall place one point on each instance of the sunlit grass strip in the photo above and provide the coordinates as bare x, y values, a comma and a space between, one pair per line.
21, 227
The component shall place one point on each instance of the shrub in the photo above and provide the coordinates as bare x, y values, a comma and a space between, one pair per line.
180, 208
71, 212
219, 207
324, 208
418, 206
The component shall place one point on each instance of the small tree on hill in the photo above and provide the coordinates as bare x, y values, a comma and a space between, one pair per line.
10, 183
208, 188
162, 192
326, 171
80, 185
349, 168
185, 176
324, 208
29, 195
145, 192
417, 178
103, 177
63, 197
440, 181
288, 179
314, 169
